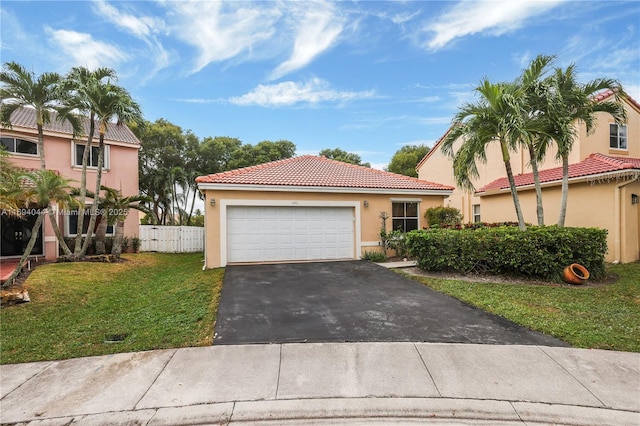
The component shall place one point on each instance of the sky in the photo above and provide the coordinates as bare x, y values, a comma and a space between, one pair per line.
366, 76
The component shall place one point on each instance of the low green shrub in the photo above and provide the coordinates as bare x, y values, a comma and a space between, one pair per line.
374, 256
443, 217
537, 252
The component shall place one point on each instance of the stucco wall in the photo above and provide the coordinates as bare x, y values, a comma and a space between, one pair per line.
370, 222
122, 175
588, 205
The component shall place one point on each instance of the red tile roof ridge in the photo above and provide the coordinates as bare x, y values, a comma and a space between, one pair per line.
621, 162
241, 170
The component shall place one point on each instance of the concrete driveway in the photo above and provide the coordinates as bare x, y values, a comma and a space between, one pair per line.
354, 301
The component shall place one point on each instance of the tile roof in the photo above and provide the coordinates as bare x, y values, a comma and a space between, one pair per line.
313, 171
595, 164
26, 118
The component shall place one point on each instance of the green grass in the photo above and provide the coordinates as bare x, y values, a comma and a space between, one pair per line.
604, 317
154, 300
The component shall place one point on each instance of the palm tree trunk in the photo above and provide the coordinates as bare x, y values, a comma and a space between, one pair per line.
536, 180
101, 232
41, 141
94, 206
28, 249
565, 189
116, 250
83, 184
512, 184
56, 231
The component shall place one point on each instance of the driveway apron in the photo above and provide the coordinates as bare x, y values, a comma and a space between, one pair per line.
351, 301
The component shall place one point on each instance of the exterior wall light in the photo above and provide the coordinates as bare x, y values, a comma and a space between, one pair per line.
635, 199
366, 203
213, 202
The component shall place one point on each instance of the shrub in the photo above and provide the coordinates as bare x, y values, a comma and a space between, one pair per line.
538, 252
135, 244
374, 256
443, 216
396, 240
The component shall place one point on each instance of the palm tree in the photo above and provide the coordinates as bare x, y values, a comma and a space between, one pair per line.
108, 103
494, 118
116, 209
11, 190
82, 85
535, 136
41, 188
570, 103
21, 88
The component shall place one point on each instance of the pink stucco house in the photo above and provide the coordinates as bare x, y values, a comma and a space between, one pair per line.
64, 155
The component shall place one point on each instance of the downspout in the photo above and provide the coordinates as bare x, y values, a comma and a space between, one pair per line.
617, 244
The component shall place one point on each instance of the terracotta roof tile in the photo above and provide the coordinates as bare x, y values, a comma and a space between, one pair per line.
312, 171
595, 164
26, 117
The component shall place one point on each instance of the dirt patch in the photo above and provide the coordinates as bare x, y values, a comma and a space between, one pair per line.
503, 279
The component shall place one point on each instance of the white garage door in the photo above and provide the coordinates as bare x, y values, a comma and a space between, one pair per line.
262, 234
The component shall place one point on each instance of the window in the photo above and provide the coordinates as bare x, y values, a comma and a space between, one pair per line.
72, 222
19, 146
617, 136
476, 213
404, 216
93, 156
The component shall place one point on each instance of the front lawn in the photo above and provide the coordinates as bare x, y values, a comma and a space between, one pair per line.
601, 317
151, 301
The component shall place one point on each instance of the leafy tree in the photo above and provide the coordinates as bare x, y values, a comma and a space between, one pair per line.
344, 156
263, 152
405, 160
11, 186
570, 103
489, 120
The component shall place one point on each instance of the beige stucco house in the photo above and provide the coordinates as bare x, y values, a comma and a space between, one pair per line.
604, 183
64, 155
308, 208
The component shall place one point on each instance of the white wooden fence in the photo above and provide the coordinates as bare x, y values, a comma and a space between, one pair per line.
171, 239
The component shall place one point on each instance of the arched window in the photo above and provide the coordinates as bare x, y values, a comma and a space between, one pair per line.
19, 146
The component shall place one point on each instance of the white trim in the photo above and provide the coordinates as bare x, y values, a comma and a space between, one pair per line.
224, 203
203, 186
370, 244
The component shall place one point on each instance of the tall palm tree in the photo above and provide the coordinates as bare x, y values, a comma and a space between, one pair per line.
112, 105
20, 88
570, 103
82, 87
41, 188
534, 136
494, 118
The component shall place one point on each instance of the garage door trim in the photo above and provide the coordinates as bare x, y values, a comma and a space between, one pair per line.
284, 203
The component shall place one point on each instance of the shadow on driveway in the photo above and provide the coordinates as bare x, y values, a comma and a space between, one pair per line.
353, 301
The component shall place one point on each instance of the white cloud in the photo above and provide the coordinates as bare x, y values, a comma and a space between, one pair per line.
141, 27
144, 28
84, 50
317, 26
221, 31
494, 17
288, 93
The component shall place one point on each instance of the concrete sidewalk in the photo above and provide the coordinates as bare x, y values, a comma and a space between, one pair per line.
329, 383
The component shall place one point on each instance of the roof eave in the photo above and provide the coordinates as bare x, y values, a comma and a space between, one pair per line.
204, 186
618, 174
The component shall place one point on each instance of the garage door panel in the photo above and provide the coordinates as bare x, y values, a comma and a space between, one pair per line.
256, 234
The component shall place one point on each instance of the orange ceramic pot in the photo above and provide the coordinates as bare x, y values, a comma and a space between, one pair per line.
575, 274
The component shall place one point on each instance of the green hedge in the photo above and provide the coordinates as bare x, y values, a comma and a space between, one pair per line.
538, 252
